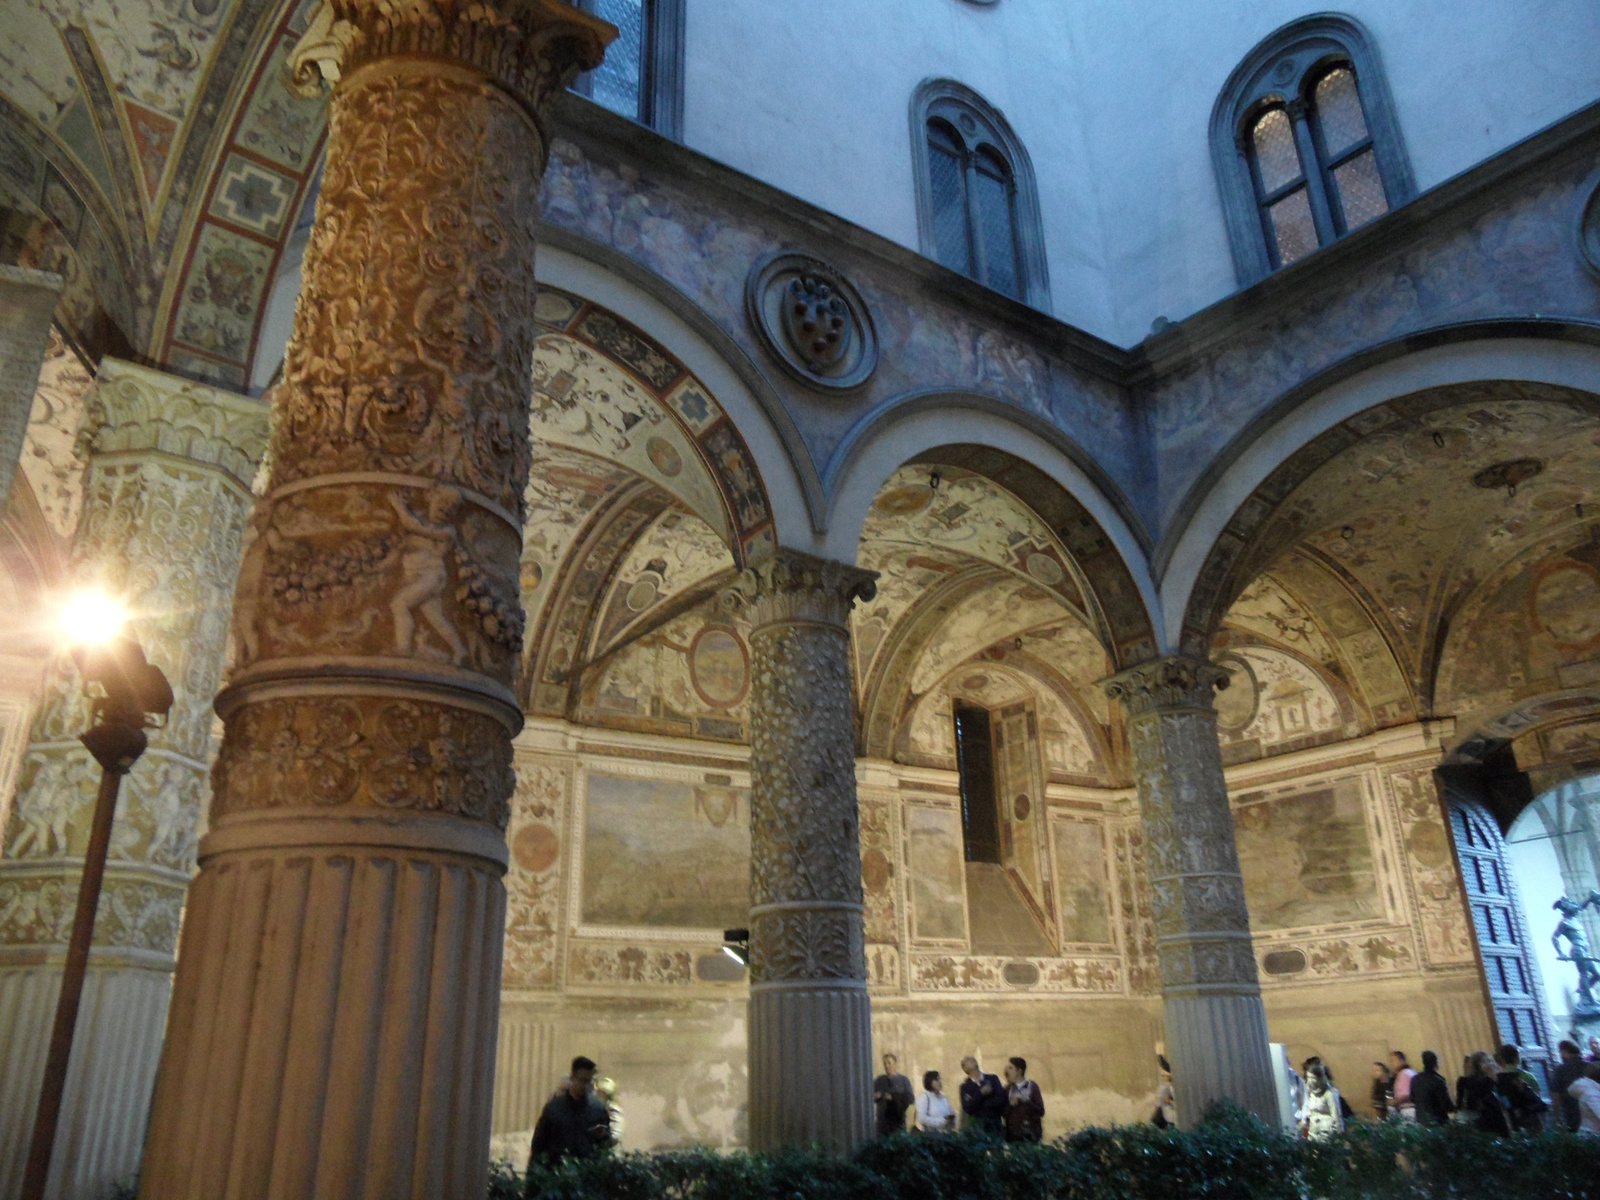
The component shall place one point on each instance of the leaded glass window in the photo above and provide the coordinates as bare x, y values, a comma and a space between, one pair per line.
641, 75
973, 195
619, 81
1305, 143
1344, 147
1343, 190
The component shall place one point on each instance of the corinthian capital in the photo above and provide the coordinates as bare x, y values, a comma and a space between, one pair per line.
1176, 682
531, 48
791, 586
138, 411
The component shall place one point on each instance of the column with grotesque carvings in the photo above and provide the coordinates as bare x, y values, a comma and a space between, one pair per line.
1216, 1027
334, 1014
27, 306
810, 1037
165, 505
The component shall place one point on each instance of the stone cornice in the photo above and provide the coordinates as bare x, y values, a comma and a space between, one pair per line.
1172, 351
138, 411
1166, 683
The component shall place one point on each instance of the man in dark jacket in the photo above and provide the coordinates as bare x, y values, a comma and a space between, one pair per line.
1571, 1067
574, 1124
891, 1098
1024, 1104
1430, 1093
983, 1099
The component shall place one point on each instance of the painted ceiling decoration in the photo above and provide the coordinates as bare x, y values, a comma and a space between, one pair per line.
1109, 593
1431, 557
642, 501
971, 577
144, 135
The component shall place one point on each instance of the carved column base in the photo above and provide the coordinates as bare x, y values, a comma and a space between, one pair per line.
1217, 1046
335, 1012
114, 1056
810, 1067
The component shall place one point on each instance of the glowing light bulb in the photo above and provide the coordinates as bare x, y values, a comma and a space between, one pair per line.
91, 618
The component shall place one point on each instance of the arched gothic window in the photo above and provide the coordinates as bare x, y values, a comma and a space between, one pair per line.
642, 76
1305, 144
977, 208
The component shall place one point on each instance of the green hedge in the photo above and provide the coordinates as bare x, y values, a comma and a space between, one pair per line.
1232, 1157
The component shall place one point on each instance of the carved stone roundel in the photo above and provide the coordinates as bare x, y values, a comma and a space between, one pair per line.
1589, 223
812, 321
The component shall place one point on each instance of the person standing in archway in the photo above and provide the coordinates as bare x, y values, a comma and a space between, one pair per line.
891, 1097
1024, 1104
983, 1098
574, 1123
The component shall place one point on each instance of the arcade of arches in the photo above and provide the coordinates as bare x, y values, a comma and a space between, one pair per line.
527, 697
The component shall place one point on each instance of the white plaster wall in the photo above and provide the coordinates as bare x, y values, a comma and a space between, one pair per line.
817, 102
1113, 99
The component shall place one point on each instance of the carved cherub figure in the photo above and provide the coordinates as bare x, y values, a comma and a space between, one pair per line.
45, 811
424, 576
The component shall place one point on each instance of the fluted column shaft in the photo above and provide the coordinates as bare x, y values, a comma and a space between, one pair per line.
165, 506
810, 1020
334, 1014
27, 305
1216, 1028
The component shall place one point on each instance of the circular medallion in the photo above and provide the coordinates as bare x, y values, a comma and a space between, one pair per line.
1428, 845
902, 501
1236, 703
642, 594
811, 320
663, 456
1566, 603
535, 847
1021, 806
975, 683
1589, 223
719, 666
875, 870
1045, 569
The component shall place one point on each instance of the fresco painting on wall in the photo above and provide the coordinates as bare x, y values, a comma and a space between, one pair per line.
664, 853
1081, 882
938, 874
1306, 857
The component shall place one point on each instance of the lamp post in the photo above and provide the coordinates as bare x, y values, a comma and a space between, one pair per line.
128, 695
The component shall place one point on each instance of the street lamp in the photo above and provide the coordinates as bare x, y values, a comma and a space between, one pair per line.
127, 695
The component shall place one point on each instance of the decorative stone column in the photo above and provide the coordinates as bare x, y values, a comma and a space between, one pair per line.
166, 501
810, 1039
334, 1015
1216, 1028
27, 304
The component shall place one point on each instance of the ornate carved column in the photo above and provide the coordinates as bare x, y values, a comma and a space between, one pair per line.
810, 1038
1216, 1028
334, 1013
27, 305
166, 500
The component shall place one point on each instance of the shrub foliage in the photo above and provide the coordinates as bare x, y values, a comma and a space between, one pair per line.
1231, 1157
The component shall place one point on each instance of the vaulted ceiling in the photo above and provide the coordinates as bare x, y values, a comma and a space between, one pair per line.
151, 151
1446, 564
